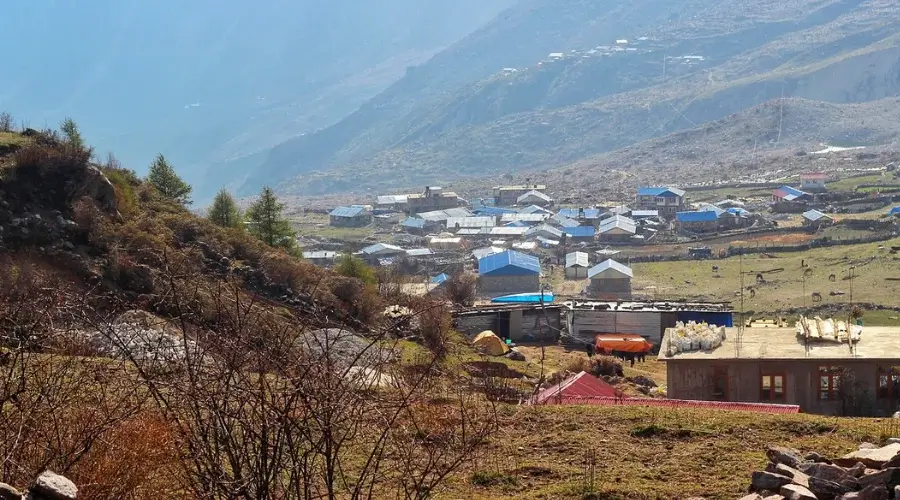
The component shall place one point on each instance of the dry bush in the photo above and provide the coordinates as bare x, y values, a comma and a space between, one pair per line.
435, 324
606, 366
460, 289
6, 122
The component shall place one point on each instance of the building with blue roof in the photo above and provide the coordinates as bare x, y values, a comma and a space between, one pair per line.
350, 216
579, 234
701, 221
563, 221
492, 211
666, 200
509, 272
895, 211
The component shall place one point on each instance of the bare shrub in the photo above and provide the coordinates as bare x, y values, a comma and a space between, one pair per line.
6, 122
460, 289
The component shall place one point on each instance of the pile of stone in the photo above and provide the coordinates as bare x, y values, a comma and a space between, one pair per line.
47, 486
870, 473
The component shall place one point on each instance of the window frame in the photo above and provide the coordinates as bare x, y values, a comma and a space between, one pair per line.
771, 376
833, 374
891, 374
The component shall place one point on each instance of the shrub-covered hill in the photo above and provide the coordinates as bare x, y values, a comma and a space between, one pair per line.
110, 234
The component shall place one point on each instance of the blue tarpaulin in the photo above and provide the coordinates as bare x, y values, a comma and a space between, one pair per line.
524, 298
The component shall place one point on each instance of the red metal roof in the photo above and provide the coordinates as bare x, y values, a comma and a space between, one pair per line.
580, 386
675, 403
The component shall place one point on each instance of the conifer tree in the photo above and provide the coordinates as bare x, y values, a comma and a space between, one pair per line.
167, 182
70, 130
268, 223
224, 211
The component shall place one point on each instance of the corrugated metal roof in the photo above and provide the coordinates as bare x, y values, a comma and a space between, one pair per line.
534, 209
509, 263
617, 222
508, 231
814, 215
776, 409
701, 216
442, 215
347, 211
620, 210
535, 217
611, 266
470, 222
472, 231
493, 211
533, 195
413, 222
580, 385
577, 259
480, 253
709, 207
660, 191
381, 248
419, 252
580, 231
564, 221
545, 230
641, 214
391, 199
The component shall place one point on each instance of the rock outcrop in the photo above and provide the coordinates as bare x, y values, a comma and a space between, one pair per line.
48, 486
870, 473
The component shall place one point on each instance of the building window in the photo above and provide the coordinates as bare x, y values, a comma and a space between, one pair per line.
888, 382
829, 382
771, 388
660, 200
720, 383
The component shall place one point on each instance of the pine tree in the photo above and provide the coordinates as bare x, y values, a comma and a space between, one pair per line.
70, 130
167, 182
267, 221
224, 211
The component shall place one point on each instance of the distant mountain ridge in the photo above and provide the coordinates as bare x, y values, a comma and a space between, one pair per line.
213, 80
740, 55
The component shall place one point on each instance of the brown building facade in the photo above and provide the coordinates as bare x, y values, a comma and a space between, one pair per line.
775, 365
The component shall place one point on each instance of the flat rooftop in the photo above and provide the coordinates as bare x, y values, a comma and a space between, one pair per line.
648, 306
784, 343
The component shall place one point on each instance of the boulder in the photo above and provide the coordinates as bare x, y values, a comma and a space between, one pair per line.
761, 481
893, 462
97, 187
773, 497
752, 496
887, 478
815, 457
857, 470
7, 492
51, 486
796, 476
825, 489
870, 493
824, 471
783, 455
515, 356
892, 441
867, 446
796, 492
871, 457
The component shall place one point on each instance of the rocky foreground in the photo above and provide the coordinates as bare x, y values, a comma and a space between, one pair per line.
47, 486
870, 473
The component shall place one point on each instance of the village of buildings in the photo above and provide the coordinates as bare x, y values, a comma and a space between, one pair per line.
563, 274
